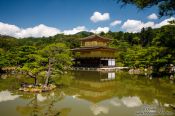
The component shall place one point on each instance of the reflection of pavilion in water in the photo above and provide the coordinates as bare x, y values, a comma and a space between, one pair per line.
94, 86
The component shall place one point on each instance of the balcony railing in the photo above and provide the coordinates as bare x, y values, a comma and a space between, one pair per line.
97, 54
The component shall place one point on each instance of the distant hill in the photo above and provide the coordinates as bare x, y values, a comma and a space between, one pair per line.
84, 33
5, 36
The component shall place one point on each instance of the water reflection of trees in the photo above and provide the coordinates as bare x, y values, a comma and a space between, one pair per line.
148, 90
91, 88
12, 81
42, 105
6, 95
128, 90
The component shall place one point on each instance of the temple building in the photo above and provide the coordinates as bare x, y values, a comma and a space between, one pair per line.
94, 52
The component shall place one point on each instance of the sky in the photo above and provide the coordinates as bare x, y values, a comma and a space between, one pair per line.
43, 18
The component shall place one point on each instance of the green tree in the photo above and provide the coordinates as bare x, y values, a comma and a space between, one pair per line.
3, 59
146, 36
52, 58
172, 22
34, 66
58, 57
165, 42
166, 7
23, 52
136, 40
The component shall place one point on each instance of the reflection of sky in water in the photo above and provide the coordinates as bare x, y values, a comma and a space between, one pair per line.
126, 101
41, 98
115, 102
89, 96
103, 107
75, 96
131, 101
7, 95
97, 109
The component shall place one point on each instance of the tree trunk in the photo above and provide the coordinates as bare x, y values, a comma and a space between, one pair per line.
156, 72
35, 105
34, 77
36, 80
48, 73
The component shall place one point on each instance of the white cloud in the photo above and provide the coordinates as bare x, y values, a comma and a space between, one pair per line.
136, 25
152, 16
116, 22
43, 30
164, 22
7, 29
75, 30
100, 29
97, 16
37, 31
83, 28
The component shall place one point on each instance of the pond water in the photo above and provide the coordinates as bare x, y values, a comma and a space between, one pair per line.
91, 94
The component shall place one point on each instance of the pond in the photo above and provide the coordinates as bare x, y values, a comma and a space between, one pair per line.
91, 94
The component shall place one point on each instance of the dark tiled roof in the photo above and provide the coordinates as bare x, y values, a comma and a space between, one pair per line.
95, 37
92, 48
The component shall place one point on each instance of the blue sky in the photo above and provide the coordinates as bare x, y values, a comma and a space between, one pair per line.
68, 14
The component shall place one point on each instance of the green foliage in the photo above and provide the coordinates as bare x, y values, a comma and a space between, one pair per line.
33, 55
150, 47
59, 55
34, 66
166, 7
64, 80
3, 59
22, 54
